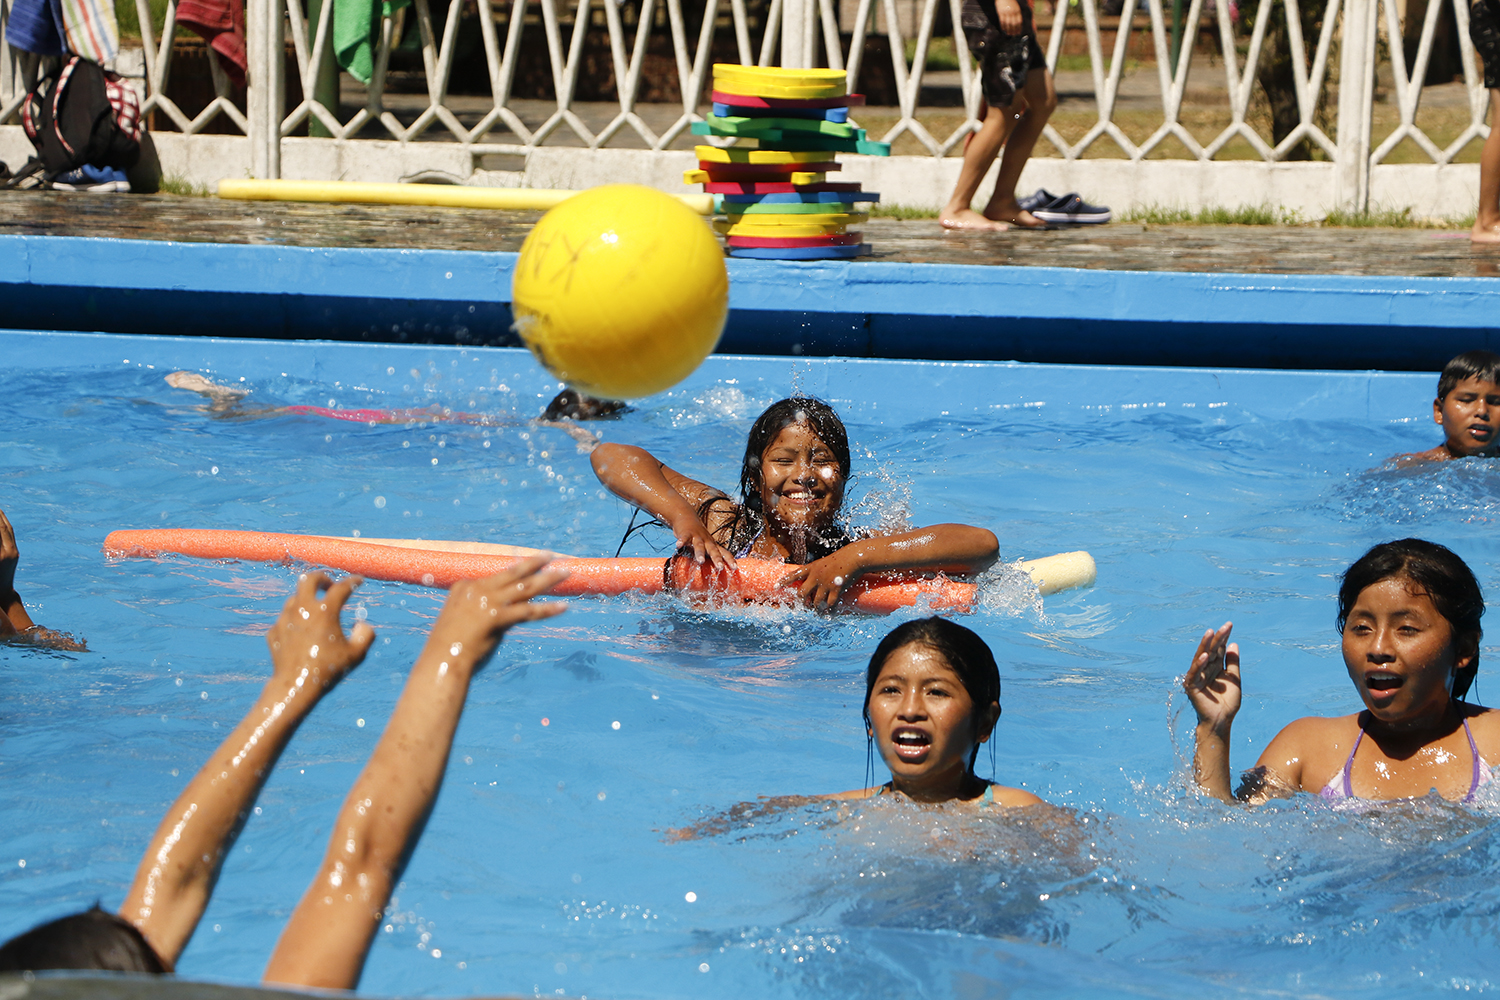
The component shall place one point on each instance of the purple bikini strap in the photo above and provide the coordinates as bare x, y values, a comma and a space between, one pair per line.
1474, 750
1349, 765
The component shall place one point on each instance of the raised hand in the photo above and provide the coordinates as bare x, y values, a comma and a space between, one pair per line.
1212, 682
308, 645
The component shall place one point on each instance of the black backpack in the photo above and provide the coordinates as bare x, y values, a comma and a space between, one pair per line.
83, 114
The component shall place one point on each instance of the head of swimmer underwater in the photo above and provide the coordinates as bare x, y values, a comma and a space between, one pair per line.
796, 465
1409, 615
1467, 406
91, 940
932, 697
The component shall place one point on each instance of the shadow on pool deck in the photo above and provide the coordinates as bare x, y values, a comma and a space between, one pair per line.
1129, 247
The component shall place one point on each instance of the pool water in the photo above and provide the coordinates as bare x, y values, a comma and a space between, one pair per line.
549, 866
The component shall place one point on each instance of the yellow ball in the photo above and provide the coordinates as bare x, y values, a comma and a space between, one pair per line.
620, 291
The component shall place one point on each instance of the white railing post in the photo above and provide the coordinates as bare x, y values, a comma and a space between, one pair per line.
797, 38
1356, 95
256, 103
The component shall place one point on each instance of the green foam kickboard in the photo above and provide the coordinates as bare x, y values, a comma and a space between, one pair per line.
858, 144
757, 126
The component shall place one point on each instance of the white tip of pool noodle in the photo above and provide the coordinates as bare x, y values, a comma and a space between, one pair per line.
1063, 571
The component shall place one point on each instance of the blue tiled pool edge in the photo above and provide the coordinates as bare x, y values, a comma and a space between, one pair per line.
852, 309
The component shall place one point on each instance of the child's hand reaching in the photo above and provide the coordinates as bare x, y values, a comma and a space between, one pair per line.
1212, 683
308, 645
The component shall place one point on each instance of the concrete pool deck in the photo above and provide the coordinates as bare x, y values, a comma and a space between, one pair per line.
1268, 297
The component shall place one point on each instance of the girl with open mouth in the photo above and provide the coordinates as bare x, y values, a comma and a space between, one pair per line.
792, 482
1409, 614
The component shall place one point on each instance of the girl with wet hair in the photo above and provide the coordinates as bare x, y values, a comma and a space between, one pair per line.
932, 698
1409, 614
792, 481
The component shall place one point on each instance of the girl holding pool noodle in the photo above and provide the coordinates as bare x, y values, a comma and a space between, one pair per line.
792, 482
328, 935
1409, 614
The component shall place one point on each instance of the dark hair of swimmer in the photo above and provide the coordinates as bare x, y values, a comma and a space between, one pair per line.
574, 405
1437, 572
93, 939
815, 413
961, 648
1483, 365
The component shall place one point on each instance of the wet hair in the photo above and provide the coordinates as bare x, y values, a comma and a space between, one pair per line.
825, 423
1483, 365
961, 648
1437, 572
815, 413
93, 939
571, 404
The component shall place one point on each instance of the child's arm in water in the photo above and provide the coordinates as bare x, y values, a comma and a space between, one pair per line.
309, 655
1212, 684
639, 478
326, 940
15, 623
947, 548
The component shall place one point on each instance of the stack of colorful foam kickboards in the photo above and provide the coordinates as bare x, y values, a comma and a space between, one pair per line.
772, 185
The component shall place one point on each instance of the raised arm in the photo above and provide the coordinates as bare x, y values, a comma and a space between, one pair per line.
638, 477
309, 655
325, 942
1212, 684
947, 548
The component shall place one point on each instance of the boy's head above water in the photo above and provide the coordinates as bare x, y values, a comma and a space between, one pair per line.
1467, 406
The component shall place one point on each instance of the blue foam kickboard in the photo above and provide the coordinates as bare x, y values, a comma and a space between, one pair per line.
800, 253
740, 111
797, 197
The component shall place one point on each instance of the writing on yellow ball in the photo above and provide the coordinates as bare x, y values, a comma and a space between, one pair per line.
620, 291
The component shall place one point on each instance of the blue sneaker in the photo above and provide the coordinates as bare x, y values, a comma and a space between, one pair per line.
99, 180
1067, 209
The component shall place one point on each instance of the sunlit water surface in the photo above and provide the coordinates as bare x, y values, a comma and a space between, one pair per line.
549, 867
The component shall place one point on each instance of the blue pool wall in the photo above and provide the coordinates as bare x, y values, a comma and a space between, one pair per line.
898, 392
852, 309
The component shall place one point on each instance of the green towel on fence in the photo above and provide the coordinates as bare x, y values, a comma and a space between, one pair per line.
356, 33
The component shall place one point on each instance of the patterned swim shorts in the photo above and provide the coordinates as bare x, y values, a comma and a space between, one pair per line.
1484, 32
1004, 60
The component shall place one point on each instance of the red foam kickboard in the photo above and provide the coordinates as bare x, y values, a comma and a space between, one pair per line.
752, 171
829, 240
775, 187
750, 101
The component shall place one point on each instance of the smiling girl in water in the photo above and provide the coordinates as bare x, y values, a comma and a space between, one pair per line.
792, 483
1409, 613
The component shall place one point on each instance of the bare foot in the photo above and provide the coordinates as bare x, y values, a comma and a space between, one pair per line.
193, 382
1484, 234
967, 218
1014, 215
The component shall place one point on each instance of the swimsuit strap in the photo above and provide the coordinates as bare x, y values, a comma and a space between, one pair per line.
1349, 765
988, 798
1474, 750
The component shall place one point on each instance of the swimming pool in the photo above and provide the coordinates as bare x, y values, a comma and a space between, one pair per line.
547, 869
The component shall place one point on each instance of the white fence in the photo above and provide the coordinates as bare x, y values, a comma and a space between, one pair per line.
1352, 49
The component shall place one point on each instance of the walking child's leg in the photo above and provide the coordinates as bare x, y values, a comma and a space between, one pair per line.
979, 152
1487, 219
1041, 98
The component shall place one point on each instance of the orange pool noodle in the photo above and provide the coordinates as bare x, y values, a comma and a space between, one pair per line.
755, 580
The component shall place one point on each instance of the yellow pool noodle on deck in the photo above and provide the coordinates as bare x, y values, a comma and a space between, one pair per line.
1063, 571
442, 195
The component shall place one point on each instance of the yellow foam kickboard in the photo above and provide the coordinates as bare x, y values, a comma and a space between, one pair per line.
445, 195
745, 88
749, 229
778, 74
774, 219
714, 154
799, 177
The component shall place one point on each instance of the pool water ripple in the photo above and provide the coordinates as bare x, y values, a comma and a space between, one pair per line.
548, 865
